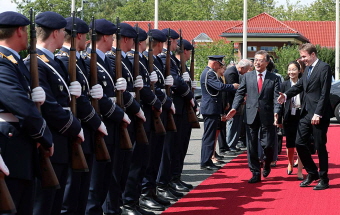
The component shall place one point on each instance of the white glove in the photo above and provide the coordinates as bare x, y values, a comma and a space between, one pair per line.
172, 108
81, 135
121, 84
75, 89
97, 91
193, 84
153, 77
38, 95
102, 128
169, 80
141, 115
192, 102
138, 83
186, 76
126, 119
3, 166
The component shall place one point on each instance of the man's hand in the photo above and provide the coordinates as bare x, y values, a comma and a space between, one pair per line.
231, 114
102, 129
192, 102
236, 85
75, 89
315, 120
282, 98
81, 135
51, 150
3, 166
172, 108
126, 118
38, 95
193, 84
121, 84
97, 91
138, 83
169, 80
153, 77
141, 115
224, 118
186, 76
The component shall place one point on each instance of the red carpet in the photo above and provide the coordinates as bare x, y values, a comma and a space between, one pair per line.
227, 191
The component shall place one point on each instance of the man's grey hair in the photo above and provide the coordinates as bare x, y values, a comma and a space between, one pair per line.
244, 63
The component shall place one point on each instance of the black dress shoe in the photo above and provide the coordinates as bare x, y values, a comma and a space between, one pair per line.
189, 186
210, 167
150, 204
255, 179
151, 193
322, 185
310, 178
175, 193
144, 212
130, 210
162, 200
176, 185
165, 194
235, 149
228, 153
266, 171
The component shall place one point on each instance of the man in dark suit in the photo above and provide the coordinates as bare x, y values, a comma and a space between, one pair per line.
211, 106
232, 75
262, 90
315, 109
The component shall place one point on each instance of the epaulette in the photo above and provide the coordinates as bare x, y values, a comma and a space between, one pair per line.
10, 58
62, 54
110, 53
44, 58
130, 54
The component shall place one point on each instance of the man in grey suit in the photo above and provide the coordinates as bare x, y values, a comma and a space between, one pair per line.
261, 114
232, 75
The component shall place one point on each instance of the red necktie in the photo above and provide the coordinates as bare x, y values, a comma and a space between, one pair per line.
259, 83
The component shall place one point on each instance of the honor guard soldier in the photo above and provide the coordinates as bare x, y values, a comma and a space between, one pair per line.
211, 106
181, 93
133, 110
149, 200
53, 79
182, 147
112, 115
22, 126
77, 187
149, 103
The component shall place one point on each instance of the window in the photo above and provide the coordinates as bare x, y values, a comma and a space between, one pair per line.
268, 48
252, 48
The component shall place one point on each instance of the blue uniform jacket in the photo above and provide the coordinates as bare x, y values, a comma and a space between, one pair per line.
211, 102
62, 122
180, 89
90, 121
18, 139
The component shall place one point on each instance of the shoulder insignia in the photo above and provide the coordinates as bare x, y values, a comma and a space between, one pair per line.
62, 54
130, 54
44, 58
10, 58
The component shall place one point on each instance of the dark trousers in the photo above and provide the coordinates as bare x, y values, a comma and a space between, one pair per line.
222, 141
22, 192
267, 140
164, 174
49, 201
234, 130
305, 129
77, 190
208, 140
290, 126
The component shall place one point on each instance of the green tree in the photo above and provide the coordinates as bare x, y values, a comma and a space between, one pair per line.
284, 55
203, 50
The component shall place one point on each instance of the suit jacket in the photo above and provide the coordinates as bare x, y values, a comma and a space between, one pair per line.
18, 139
265, 103
316, 90
286, 85
231, 76
211, 102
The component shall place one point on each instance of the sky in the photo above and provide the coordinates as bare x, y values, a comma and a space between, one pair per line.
6, 5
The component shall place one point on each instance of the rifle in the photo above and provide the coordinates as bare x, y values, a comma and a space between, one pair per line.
159, 127
6, 201
192, 118
48, 176
170, 124
77, 157
125, 141
140, 131
192, 77
102, 154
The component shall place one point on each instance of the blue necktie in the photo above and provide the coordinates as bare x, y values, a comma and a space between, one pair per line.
309, 71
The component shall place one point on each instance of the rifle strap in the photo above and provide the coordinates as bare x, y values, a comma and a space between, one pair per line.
56, 73
127, 69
